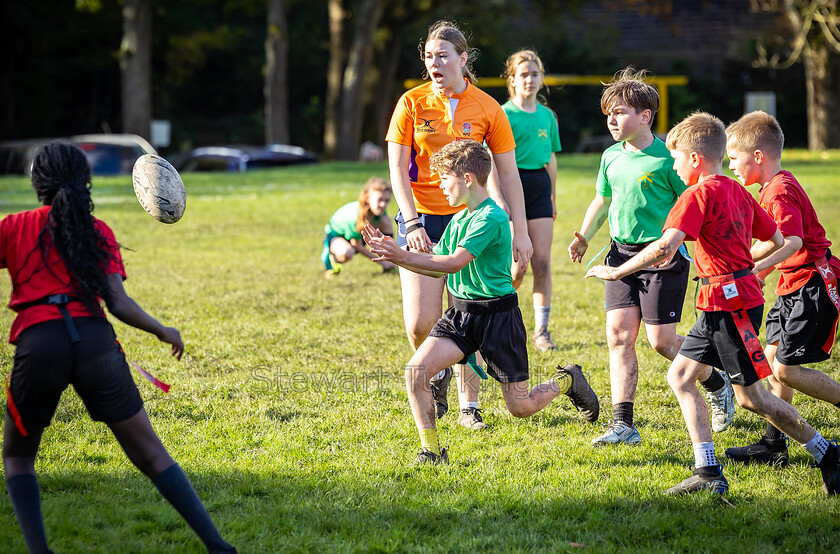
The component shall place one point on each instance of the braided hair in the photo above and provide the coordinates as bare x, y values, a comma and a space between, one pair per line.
61, 178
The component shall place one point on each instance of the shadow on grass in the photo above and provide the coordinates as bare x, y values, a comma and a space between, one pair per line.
405, 510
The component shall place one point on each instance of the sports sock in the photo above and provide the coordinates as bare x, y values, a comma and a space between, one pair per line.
175, 487
816, 447
704, 454
564, 381
772, 434
26, 501
468, 405
440, 375
541, 316
714, 383
429, 441
623, 411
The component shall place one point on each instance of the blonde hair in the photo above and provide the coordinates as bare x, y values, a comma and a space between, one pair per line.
449, 31
514, 60
756, 131
630, 86
365, 215
700, 132
460, 157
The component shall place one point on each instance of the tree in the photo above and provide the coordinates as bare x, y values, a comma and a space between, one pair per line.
276, 74
812, 36
136, 66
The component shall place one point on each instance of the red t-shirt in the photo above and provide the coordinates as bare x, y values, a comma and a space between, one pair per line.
31, 280
786, 202
723, 217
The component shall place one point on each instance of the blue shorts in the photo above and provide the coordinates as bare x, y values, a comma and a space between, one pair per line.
434, 225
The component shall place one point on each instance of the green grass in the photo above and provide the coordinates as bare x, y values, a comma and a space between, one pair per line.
289, 413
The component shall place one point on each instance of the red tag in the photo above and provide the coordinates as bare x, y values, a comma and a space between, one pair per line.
151, 378
13, 409
745, 328
831, 286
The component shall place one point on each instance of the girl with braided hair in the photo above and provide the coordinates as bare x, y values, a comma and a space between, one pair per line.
62, 261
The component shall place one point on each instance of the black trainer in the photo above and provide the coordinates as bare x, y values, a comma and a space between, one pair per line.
765, 451
580, 393
440, 387
708, 478
426, 456
830, 470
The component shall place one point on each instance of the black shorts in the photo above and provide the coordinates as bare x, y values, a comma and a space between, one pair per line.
714, 340
659, 292
536, 188
801, 323
46, 361
434, 225
492, 327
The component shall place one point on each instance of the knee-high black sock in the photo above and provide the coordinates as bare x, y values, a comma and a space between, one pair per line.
175, 486
26, 500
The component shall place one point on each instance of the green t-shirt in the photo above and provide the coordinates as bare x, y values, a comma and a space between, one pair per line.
343, 221
535, 134
485, 233
643, 187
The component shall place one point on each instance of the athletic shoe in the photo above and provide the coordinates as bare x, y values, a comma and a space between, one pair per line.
333, 267
580, 393
542, 340
761, 452
703, 479
723, 404
439, 389
830, 470
426, 456
471, 419
618, 433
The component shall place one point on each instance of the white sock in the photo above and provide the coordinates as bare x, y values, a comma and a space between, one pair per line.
467, 405
541, 316
817, 447
704, 454
440, 375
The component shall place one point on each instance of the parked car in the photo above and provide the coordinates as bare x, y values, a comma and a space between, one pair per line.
241, 157
108, 154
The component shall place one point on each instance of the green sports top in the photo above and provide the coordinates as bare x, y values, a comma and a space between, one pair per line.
485, 233
535, 134
643, 187
343, 221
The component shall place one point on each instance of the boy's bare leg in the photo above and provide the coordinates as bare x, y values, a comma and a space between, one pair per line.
775, 386
775, 410
422, 299
664, 339
522, 402
682, 378
622, 331
434, 354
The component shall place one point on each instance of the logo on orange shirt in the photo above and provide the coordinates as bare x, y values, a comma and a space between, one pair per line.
467, 128
426, 127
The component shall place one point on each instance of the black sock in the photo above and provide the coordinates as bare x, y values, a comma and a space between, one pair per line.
623, 411
772, 434
26, 500
714, 382
175, 486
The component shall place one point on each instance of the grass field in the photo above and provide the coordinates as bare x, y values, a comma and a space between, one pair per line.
289, 412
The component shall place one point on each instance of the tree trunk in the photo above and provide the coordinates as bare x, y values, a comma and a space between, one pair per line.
822, 79
275, 90
353, 83
136, 67
335, 71
387, 99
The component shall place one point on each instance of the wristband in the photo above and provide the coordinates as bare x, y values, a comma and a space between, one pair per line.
412, 219
413, 227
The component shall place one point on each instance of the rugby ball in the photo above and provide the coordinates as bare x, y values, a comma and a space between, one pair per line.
159, 188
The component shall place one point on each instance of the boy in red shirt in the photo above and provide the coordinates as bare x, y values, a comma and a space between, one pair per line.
722, 217
802, 324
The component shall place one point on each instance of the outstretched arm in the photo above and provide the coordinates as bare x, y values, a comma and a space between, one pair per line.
124, 308
655, 252
767, 254
433, 265
595, 216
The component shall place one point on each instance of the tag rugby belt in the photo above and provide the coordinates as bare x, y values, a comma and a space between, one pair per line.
60, 301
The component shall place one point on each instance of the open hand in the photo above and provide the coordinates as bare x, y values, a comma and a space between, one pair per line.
578, 247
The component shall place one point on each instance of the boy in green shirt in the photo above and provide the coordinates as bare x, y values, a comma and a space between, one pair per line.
475, 253
635, 189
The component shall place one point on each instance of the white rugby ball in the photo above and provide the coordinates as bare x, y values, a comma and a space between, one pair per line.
159, 188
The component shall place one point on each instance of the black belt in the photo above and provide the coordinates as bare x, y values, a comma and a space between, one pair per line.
486, 305
717, 278
60, 301
811, 264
